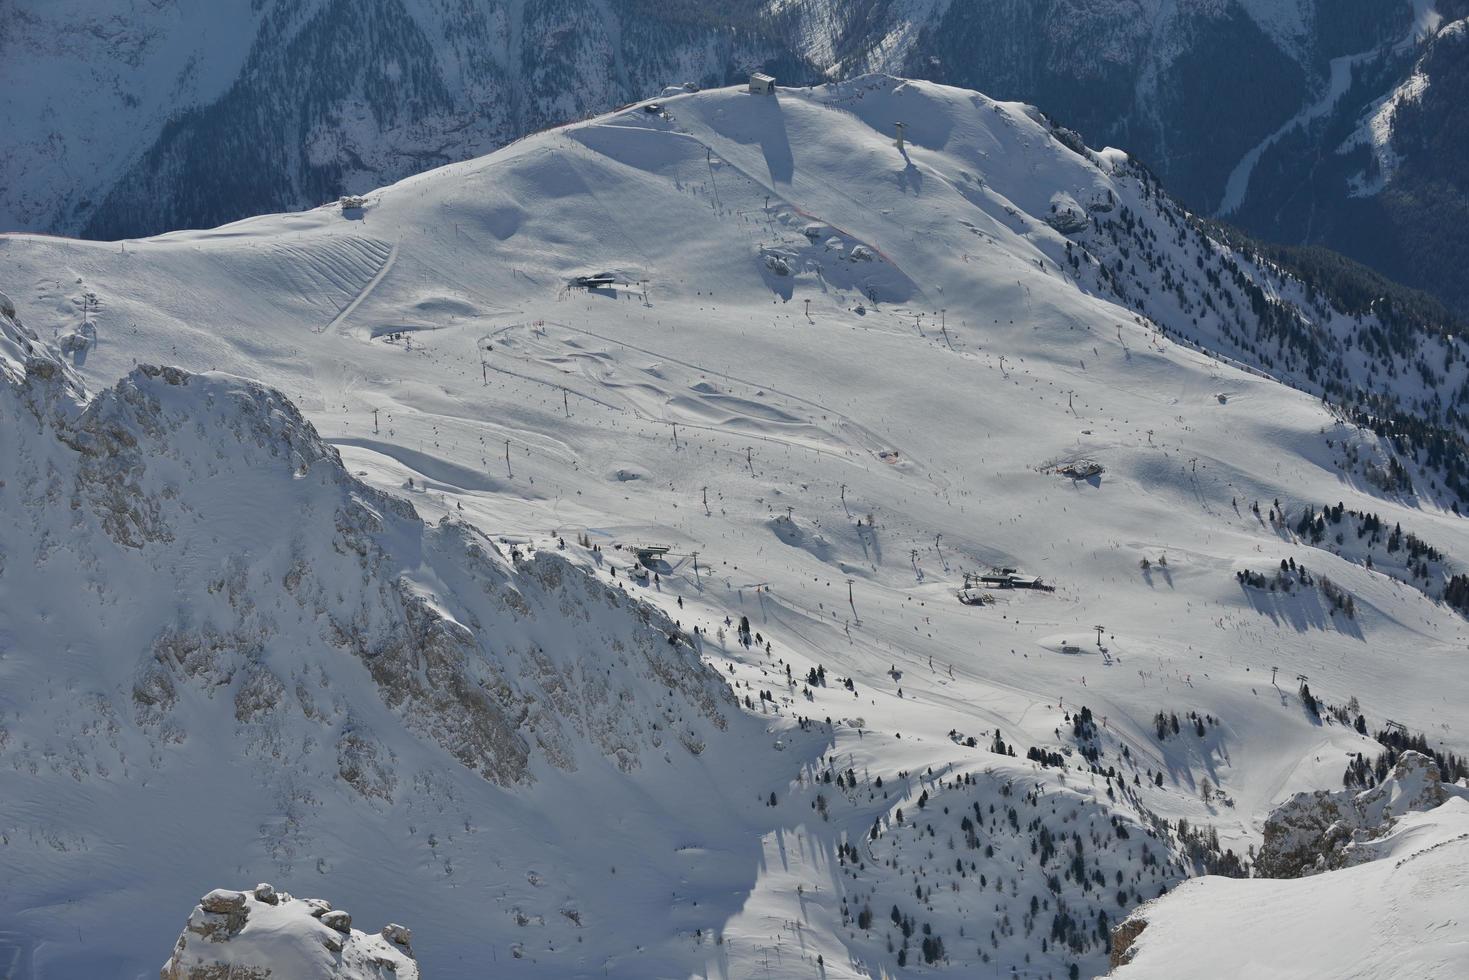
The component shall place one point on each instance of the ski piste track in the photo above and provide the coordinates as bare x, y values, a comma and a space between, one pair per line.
874, 443
385, 255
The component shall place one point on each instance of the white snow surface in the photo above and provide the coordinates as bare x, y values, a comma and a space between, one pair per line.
869, 363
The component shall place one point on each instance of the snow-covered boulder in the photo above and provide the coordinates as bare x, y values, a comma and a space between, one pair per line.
1066, 215
222, 901
252, 935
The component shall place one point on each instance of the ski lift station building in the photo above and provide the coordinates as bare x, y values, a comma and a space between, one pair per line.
761, 84
1008, 579
647, 554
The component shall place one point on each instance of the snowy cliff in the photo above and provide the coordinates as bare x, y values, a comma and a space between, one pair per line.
280, 569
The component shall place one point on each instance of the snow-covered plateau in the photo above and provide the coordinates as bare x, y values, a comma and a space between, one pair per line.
321, 566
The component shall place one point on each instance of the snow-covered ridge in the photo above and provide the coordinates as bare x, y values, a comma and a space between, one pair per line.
165, 458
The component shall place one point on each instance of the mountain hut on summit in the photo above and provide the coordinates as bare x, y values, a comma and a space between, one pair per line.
761, 84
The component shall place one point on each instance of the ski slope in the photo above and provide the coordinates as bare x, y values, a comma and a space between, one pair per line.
833, 376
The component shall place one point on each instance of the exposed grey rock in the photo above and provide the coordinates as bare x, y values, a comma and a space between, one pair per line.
1068, 221
223, 900
337, 919
364, 764
1124, 934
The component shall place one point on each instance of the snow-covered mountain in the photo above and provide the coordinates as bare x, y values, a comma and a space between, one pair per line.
1375, 167
837, 379
1321, 122
124, 120
1139, 73
1332, 122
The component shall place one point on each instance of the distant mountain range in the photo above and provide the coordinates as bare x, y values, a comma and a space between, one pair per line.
1304, 121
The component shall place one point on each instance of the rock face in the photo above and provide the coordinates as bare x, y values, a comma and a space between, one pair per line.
1321, 831
259, 934
1123, 936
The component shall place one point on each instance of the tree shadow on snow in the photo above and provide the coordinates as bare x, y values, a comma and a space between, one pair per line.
1302, 609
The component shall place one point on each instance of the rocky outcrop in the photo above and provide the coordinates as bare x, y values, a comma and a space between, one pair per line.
263, 934
1123, 936
1320, 831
